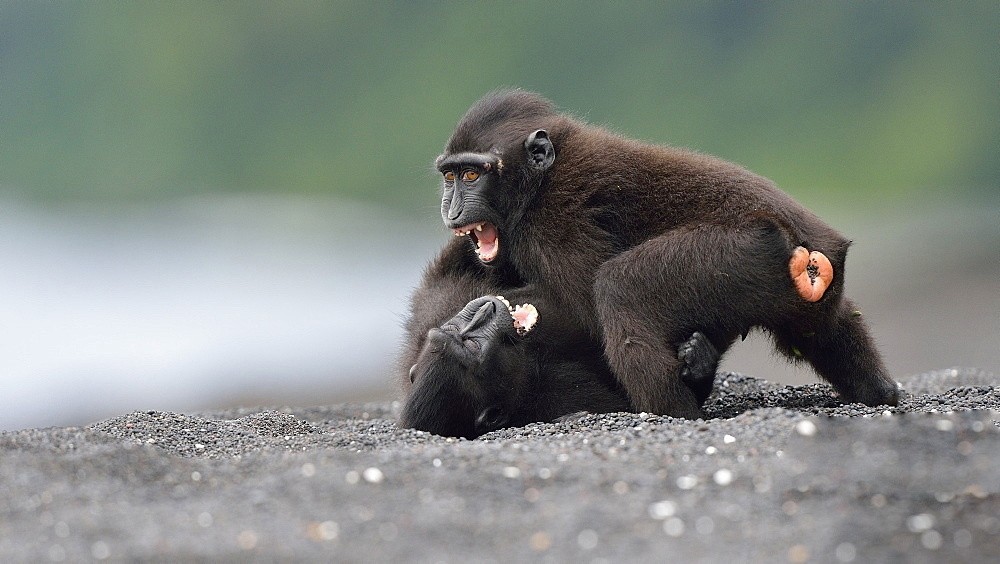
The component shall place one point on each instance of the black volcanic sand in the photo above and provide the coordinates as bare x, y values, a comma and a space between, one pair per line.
777, 474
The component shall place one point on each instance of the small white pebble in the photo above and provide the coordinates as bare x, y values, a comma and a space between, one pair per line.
674, 527
204, 519
963, 538
845, 552
436, 462
920, 522
544, 473
729, 439
352, 477
372, 475
100, 550
944, 497
805, 428
944, 425
247, 540
687, 482
195, 476
308, 470
512, 472
723, 477
328, 530
587, 539
711, 450
662, 509
931, 539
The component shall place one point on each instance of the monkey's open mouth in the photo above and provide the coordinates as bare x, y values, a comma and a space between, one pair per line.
486, 238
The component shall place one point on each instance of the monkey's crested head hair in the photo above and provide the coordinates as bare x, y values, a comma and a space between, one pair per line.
499, 121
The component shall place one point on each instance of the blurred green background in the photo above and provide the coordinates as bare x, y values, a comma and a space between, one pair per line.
859, 101
221, 203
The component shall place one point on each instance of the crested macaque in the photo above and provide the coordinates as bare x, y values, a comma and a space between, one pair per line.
487, 368
636, 247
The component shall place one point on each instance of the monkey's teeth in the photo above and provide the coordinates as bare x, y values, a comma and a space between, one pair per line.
505, 302
479, 227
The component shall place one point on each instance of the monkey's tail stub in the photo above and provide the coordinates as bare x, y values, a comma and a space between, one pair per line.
811, 273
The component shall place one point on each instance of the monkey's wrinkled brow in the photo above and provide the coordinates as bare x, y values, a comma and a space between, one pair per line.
480, 160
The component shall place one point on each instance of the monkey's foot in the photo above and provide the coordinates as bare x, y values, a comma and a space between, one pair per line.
811, 272
525, 316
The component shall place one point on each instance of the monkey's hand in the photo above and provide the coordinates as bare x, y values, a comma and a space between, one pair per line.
700, 360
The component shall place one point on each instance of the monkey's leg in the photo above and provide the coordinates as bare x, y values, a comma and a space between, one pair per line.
842, 352
651, 298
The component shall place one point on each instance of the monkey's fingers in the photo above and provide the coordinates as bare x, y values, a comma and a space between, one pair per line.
811, 272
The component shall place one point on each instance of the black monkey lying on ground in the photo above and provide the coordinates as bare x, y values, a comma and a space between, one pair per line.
636, 247
486, 368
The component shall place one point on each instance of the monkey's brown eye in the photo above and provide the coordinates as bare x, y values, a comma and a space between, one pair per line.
470, 176
449, 176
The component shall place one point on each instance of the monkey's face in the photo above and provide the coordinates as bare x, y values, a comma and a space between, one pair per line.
481, 196
472, 205
471, 374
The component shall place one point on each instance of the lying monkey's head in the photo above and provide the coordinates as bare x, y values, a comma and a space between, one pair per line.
472, 373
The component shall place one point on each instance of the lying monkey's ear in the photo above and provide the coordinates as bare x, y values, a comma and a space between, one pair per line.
541, 153
491, 419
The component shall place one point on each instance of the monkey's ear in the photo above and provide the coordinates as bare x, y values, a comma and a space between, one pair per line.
491, 419
541, 153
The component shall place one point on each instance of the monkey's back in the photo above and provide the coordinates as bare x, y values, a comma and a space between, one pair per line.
636, 191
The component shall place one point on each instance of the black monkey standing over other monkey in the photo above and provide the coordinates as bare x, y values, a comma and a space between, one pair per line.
637, 247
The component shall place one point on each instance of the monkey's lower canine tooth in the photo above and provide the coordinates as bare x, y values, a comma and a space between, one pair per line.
479, 227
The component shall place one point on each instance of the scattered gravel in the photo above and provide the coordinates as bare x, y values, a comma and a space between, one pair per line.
777, 473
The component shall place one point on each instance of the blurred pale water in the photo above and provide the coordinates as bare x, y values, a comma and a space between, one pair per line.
225, 300
198, 302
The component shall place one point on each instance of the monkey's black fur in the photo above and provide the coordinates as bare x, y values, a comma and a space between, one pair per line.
633, 247
476, 373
